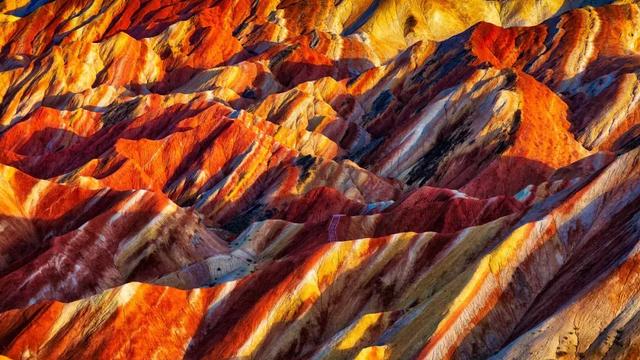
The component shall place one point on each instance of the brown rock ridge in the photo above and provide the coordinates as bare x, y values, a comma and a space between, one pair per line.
244, 179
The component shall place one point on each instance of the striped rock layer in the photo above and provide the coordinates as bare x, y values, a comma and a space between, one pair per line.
277, 179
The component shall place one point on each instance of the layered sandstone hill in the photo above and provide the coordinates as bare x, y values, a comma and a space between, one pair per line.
237, 179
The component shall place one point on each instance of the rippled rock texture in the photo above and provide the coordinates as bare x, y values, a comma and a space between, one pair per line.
350, 179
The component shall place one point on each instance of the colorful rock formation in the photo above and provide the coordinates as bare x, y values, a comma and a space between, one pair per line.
236, 179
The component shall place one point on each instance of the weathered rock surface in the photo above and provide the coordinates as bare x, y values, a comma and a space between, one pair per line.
281, 179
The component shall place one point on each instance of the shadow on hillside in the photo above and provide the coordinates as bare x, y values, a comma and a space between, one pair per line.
520, 308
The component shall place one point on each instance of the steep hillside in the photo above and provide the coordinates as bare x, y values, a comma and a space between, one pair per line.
236, 179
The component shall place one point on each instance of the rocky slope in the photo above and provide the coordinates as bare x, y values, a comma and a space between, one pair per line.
277, 179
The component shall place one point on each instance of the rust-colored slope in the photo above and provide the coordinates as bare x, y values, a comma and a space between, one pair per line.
63, 242
363, 283
326, 180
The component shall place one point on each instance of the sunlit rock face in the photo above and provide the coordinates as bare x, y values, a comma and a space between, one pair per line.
238, 179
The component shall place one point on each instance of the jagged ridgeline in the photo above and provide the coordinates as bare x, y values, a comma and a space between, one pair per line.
238, 179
